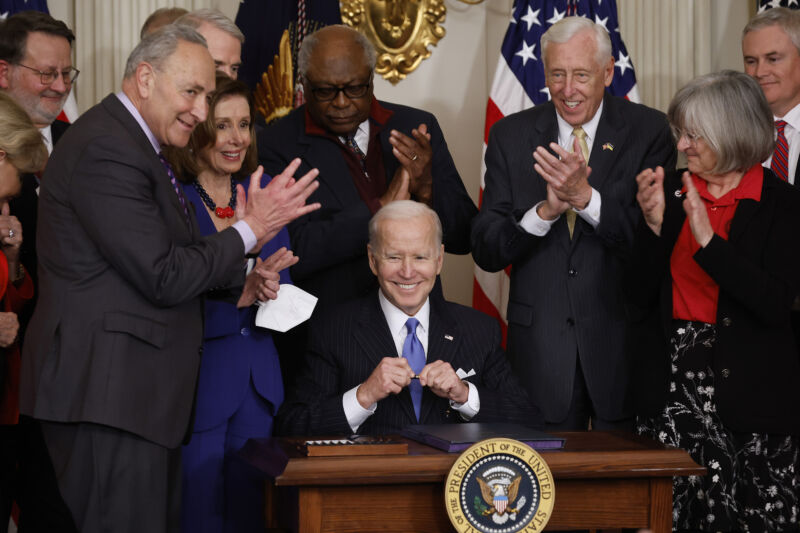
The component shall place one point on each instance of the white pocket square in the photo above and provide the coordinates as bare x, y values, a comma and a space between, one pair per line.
462, 375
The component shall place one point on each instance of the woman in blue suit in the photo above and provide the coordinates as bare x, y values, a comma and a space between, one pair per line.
240, 388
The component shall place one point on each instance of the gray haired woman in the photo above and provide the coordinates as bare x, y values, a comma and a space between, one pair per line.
714, 271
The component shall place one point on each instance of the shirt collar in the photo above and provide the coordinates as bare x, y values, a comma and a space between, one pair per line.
139, 119
565, 128
47, 137
377, 113
396, 318
749, 188
792, 117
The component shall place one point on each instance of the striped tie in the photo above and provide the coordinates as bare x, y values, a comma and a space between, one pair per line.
780, 158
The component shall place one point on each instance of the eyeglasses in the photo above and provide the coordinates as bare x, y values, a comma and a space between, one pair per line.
48, 78
353, 92
691, 136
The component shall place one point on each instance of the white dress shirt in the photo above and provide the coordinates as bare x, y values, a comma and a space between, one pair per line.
361, 136
792, 133
396, 319
531, 221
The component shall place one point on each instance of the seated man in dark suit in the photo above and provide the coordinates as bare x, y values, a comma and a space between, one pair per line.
450, 366
369, 153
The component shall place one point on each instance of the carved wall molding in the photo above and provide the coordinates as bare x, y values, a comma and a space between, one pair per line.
401, 30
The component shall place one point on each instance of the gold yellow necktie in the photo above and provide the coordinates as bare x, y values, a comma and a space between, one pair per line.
581, 136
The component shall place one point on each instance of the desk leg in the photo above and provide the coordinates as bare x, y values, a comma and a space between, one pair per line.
309, 505
661, 505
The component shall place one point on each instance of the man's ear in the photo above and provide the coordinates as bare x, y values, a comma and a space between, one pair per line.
5, 74
145, 79
372, 262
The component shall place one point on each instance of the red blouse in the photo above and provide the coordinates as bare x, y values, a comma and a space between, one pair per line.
13, 300
694, 293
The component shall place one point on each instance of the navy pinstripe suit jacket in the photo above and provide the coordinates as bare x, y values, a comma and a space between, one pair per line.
348, 343
565, 298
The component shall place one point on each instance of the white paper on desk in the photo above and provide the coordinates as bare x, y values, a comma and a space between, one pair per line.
293, 306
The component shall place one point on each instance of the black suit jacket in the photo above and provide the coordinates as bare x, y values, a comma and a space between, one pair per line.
332, 241
565, 297
755, 363
348, 343
116, 334
25, 208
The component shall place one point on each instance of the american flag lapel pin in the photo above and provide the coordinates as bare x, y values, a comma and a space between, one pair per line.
609, 147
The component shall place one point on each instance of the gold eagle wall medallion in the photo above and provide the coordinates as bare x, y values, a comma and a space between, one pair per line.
401, 30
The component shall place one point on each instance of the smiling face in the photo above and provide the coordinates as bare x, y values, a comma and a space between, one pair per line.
575, 79
174, 98
774, 62
337, 61
232, 127
44, 52
406, 261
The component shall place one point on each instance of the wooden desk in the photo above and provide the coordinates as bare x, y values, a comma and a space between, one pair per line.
603, 480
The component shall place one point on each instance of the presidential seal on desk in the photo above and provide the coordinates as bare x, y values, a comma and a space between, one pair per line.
499, 486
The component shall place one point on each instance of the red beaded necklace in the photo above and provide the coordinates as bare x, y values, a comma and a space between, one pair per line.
221, 212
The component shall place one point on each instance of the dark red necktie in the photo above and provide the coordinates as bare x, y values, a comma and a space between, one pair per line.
780, 158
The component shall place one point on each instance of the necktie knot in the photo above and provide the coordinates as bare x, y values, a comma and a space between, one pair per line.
579, 133
411, 326
780, 125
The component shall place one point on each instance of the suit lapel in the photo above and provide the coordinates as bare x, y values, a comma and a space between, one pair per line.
443, 343
117, 110
547, 132
321, 152
376, 341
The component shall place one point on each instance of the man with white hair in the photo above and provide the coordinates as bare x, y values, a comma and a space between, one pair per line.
223, 37
397, 356
112, 353
562, 221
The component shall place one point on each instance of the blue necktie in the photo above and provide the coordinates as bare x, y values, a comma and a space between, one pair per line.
415, 354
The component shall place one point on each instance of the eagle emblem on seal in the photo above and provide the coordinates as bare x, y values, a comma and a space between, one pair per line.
499, 489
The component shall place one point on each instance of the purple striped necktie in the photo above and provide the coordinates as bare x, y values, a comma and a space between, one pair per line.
780, 158
175, 185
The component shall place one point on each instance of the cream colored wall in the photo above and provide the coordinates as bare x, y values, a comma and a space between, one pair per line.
669, 42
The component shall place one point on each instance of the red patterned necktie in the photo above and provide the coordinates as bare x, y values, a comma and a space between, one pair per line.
780, 158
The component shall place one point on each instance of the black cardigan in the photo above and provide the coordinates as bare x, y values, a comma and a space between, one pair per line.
755, 362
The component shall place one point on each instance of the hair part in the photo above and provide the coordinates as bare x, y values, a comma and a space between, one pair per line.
21, 140
403, 210
156, 47
786, 19
161, 17
728, 110
568, 27
187, 161
15, 29
214, 17
311, 41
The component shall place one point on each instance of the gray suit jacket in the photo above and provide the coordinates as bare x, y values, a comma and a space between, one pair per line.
115, 338
565, 298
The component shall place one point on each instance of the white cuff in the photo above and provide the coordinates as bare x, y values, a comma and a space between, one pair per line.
534, 224
248, 237
472, 405
355, 414
591, 213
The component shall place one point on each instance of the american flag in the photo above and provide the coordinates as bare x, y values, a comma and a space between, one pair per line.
7, 8
519, 84
763, 5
